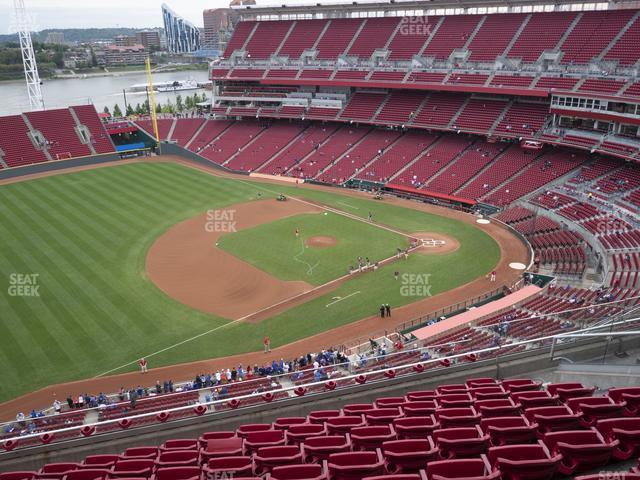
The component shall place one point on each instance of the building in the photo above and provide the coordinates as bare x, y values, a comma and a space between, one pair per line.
218, 25
55, 38
129, 55
125, 41
149, 39
182, 35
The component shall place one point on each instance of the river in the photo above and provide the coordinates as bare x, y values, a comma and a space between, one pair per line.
101, 91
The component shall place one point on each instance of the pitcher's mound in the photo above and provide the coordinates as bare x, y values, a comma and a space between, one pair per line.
320, 241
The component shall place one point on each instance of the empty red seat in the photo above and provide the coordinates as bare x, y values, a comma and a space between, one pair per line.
99, 461
382, 416
268, 457
371, 437
285, 422
177, 473
87, 474
140, 452
550, 419
137, 467
18, 475
223, 447
463, 469
415, 427
631, 395
418, 408
593, 409
408, 456
499, 407
56, 470
533, 462
569, 390
236, 466
244, 430
509, 430
454, 400
421, 395
626, 431
357, 408
180, 444
488, 392
344, 424
463, 442
321, 416
389, 402
580, 449
298, 472
535, 398
355, 465
177, 458
205, 437
266, 438
452, 388
520, 384
317, 449
296, 434
457, 417
481, 382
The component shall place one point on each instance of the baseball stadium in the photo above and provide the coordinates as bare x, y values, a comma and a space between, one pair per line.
401, 240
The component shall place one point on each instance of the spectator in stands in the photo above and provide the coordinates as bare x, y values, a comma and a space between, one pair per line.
57, 406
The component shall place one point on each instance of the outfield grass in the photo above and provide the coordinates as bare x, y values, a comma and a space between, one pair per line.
274, 248
86, 235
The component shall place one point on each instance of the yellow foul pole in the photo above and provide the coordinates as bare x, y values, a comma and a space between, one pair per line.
153, 105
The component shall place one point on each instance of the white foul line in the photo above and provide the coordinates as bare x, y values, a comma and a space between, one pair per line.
342, 298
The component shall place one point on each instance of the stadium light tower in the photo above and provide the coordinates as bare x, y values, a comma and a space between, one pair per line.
28, 56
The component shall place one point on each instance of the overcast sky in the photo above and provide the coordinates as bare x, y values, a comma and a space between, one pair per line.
101, 13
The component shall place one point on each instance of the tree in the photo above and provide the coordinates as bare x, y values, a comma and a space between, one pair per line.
106, 110
130, 110
189, 103
159, 108
58, 59
94, 59
179, 104
116, 111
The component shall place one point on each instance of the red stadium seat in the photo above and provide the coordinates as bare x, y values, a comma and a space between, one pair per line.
533, 462
297, 434
631, 395
534, 398
244, 430
389, 402
260, 439
454, 400
88, 474
357, 408
205, 437
489, 392
550, 419
421, 395
481, 382
321, 416
580, 450
415, 427
180, 444
452, 388
224, 447
268, 457
593, 409
56, 470
231, 466
137, 467
355, 465
521, 384
317, 449
382, 416
457, 417
18, 475
344, 424
626, 431
99, 461
177, 458
461, 469
177, 473
371, 437
463, 442
569, 390
408, 456
497, 408
418, 408
298, 472
286, 422
509, 430
140, 452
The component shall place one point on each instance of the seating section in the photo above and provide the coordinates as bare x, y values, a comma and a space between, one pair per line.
164, 127
267, 38
363, 106
59, 129
494, 36
531, 42
302, 37
373, 36
231, 141
337, 37
479, 115
185, 129
514, 428
17, 147
453, 33
88, 117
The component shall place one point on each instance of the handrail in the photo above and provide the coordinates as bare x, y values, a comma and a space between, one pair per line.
353, 377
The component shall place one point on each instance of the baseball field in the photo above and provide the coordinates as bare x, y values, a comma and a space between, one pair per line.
80, 299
